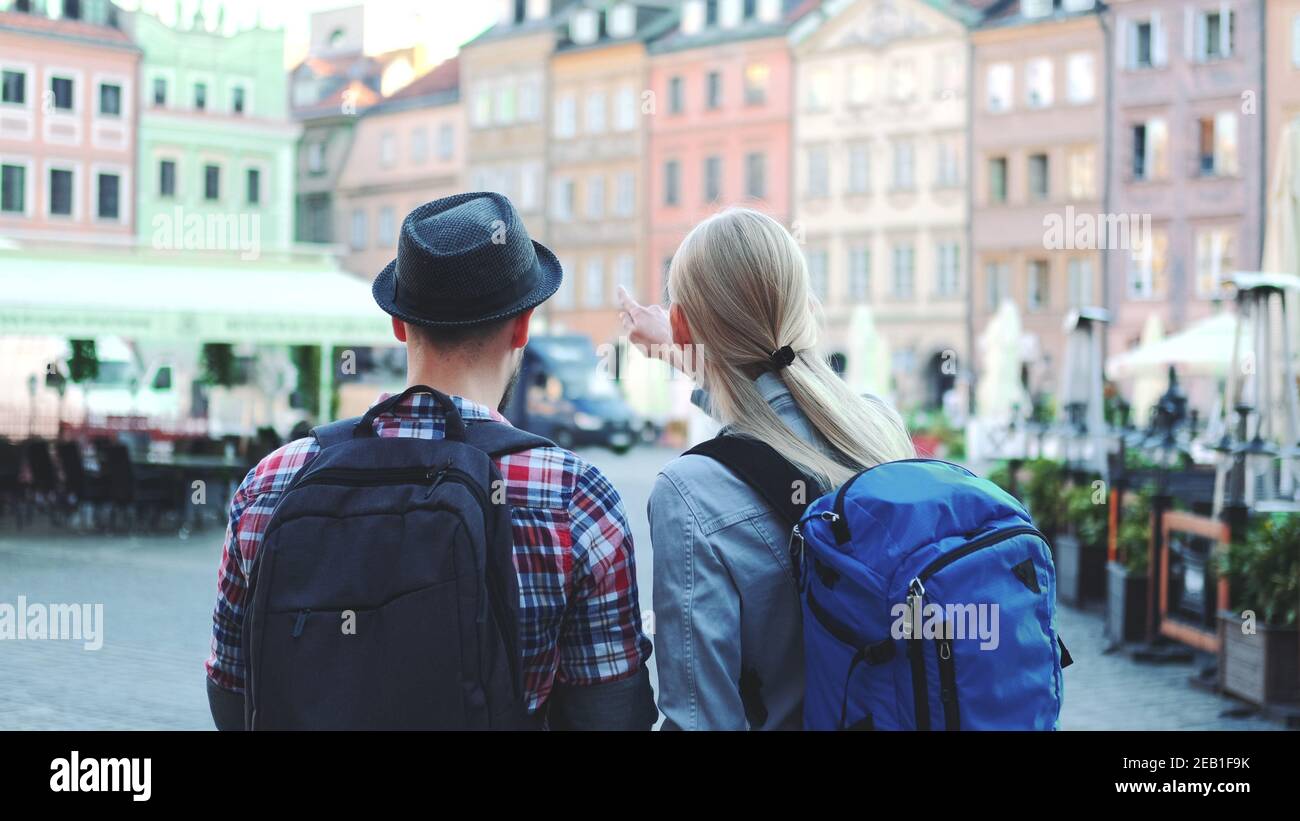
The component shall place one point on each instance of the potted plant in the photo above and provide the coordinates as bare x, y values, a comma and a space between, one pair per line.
1126, 578
1044, 495
1259, 658
1081, 545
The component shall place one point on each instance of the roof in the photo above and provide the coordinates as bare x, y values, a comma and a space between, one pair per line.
149, 295
654, 19
998, 13
792, 12
76, 30
439, 84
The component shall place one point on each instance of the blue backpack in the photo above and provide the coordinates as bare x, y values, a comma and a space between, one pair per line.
929, 597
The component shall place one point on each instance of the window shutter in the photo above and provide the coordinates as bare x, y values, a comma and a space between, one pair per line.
1159, 40
1225, 30
1189, 33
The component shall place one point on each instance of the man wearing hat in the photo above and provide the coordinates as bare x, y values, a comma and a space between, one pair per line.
461, 292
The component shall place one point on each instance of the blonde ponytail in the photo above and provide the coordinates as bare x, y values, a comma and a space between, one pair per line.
742, 284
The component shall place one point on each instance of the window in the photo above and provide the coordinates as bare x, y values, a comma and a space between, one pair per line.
676, 96
566, 116
109, 196
1146, 43
60, 192
625, 194
1039, 177
237, 99
948, 162
902, 84
1000, 79
1214, 260
1081, 173
387, 149
904, 271
818, 273
1295, 41
1081, 78
756, 175
1038, 82
819, 173
859, 271
200, 96
505, 104
564, 297
862, 84
62, 89
997, 284
316, 157
72, 9
593, 290
159, 91
211, 182
386, 227
481, 114
595, 197
110, 100
1213, 35
1218, 144
253, 186
446, 141
359, 230
13, 87
595, 119
563, 199
1150, 150
712, 179
530, 100
530, 186
819, 90
625, 272
167, 178
947, 273
904, 166
419, 145
757, 76
859, 181
997, 179
713, 90
1147, 267
1037, 293
672, 182
1079, 282
625, 109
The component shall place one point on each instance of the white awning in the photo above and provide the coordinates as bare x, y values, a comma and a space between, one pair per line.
1202, 349
146, 295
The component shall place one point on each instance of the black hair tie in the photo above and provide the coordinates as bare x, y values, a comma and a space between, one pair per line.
781, 357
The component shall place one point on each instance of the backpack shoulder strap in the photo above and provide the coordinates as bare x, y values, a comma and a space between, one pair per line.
498, 439
758, 465
335, 432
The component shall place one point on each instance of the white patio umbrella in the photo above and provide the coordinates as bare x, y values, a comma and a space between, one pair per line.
1000, 390
869, 356
1148, 384
1203, 348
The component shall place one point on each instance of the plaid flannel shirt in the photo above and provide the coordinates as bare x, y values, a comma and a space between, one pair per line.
572, 548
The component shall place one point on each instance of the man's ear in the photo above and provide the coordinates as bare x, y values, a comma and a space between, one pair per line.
399, 329
519, 329
677, 319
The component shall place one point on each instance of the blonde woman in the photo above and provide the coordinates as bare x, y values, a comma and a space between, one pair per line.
742, 318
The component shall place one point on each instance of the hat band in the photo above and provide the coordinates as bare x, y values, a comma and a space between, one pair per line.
453, 309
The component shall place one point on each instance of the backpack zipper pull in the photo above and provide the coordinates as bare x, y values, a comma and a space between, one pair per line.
436, 477
915, 593
300, 622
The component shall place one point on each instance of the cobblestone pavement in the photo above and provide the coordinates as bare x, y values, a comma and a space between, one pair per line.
157, 592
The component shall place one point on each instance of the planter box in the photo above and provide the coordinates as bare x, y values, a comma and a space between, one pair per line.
1263, 668
1126, 604
1080, 570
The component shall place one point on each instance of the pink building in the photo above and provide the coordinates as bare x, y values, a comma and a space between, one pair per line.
67, 127
721, 130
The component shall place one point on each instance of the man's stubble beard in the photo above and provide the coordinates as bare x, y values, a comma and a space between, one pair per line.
509, 392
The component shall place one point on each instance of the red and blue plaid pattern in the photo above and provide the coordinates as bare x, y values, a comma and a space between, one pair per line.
572, 546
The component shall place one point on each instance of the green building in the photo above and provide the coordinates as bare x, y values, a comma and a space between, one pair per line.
216, 143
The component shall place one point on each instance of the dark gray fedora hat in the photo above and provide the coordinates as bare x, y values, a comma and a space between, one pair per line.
465, 260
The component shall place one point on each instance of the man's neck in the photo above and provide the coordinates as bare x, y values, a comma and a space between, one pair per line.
480, 389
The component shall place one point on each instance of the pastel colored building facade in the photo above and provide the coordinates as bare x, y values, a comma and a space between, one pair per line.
1282, 73
595, 212
1038, 146
880, 181
721, 132
1189, 150
505, 77
68, 111
405, 151
217, 146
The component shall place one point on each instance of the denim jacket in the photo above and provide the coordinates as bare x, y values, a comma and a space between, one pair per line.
728, 624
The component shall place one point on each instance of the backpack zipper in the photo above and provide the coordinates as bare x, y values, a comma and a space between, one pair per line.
844, 488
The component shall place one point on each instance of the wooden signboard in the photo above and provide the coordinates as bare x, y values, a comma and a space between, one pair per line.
1181, 528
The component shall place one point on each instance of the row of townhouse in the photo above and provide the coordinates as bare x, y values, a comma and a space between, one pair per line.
119, 130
